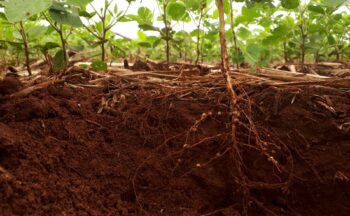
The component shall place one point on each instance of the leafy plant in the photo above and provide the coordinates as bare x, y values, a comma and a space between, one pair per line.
170, 11
59, 15
198, 11
17, 11
261, 31
108, 16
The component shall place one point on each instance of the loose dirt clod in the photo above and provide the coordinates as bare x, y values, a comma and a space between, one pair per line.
10, 84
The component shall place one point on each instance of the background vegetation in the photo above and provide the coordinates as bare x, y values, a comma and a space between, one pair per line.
262, 32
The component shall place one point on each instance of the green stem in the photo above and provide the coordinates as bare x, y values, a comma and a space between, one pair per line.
26, 47
64, 47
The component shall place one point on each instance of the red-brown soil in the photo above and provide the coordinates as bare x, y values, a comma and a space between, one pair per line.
58, 156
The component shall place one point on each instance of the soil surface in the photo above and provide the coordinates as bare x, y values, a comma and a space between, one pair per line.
129, 149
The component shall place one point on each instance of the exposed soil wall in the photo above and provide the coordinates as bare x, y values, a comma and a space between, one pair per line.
151, 151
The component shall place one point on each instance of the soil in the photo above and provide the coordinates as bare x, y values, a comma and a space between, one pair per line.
10, 84
153, 152
149, 66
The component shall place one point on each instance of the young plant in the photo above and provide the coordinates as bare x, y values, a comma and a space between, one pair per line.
250, 46
167, 37
23, 33
170, 11
235, 149
303, 24
25, 42
108, 17
59, 15
198, 11
17, 12
337, 25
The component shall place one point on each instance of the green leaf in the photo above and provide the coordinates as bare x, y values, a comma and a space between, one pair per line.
333, 3
250, 13
316, 28
265, 22
237, 58
271, 40
142, 36
20, 10
337, 17
289, 21
195, 32
253, 52
147, 27
36, 32
215, 14
331, 40
17, 35
3, 16
280, 31
290, 4
58, 61
176, 10
192, 4
156, 42
227, 7
48, 46
79, 3
347, 51
51, 45
63, 16
125, 19
86, 14
133, 17
115, 9
145, 15
181, 34
316, 9
145, 44
99, 65
243, 33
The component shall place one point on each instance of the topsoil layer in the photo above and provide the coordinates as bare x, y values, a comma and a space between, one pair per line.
151, 152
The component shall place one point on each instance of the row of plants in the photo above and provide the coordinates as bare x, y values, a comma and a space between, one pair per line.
263, 31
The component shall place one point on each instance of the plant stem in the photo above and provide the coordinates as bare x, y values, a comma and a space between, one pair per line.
234, 34
198, 44
202, 50
224, 56
63, 42
235, 150
302, 48
302, 26
167, 38
317, 56
198, 33
104, 31
26, 47
285, 52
